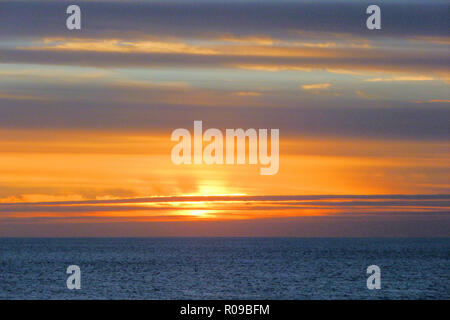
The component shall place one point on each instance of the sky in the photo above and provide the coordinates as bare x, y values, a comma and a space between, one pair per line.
86, 118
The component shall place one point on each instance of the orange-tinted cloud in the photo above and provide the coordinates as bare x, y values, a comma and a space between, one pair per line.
318, 86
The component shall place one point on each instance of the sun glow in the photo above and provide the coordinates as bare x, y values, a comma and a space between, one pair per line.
204, 214
208, 188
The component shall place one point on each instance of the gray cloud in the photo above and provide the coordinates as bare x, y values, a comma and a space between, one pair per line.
337, 118
193, 19
417, 197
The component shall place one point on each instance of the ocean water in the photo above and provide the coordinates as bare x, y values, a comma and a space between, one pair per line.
224, 268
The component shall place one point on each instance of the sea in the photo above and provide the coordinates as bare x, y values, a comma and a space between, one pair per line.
224, 268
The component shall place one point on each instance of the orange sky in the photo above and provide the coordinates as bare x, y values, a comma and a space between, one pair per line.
71, 165
50, 176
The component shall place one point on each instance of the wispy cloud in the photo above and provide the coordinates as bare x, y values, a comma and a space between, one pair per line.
433, 101
243, 198
231, 207
248, 93
404, 78
317, 86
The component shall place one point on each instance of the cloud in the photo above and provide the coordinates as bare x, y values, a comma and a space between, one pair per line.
434, 40
295, 215
8, 96
268, 59
118, 45
318, 86
175, 108
432, 101
260, 198
402, 79
248, 94
212, 47
271, 18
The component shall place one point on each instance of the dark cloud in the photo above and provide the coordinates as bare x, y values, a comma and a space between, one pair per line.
348, 215
340, 117
193, 19
416, 197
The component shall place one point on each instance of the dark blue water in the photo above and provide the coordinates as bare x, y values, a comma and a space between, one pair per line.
224, 268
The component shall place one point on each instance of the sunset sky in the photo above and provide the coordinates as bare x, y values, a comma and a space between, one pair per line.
86, 118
